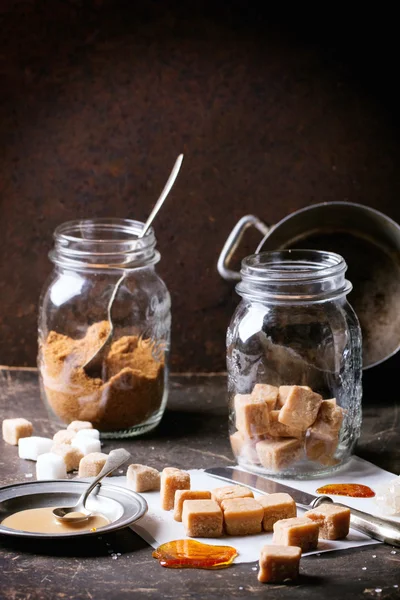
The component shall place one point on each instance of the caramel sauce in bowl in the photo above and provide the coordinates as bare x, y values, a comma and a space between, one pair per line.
42, 520
113, 508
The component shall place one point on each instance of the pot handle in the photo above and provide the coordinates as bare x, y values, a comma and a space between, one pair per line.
233, 242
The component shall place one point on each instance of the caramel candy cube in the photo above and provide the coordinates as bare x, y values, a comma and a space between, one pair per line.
300, 409
329, 418
72, 456
142, 478
252, 416
227, 492
244, 447
278, 454
300, 531
276, 507
182, 495
15, 429
277, 429
323, 436
64, 436
92, 464
265, 393
278, 563
78, 425
171, 480
202, 518
333, 520
321, 447
242, 516
283, 393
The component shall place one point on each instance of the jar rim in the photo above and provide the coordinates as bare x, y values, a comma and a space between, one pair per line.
130, 226
281, 265
104, 243
294, 276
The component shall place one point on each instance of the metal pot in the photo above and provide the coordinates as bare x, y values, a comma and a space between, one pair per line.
370, 243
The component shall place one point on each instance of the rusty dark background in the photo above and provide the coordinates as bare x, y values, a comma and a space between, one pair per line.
273, 110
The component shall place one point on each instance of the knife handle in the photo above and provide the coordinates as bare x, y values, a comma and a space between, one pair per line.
380, 529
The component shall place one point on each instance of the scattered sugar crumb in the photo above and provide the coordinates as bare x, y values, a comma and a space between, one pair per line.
393, 552
121, 471
240, 588
364, 568
378, 590
254, 568
374, 556
152, 447
28, 475
395, 585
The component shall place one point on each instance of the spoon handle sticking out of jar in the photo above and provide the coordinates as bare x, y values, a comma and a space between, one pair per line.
94, 366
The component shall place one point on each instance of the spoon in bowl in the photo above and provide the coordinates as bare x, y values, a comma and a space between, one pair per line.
93, 366
79, 512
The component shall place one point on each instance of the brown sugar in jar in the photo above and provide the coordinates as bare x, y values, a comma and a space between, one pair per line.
129, 392
98, 262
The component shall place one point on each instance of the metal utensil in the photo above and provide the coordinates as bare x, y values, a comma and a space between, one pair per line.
380, 529
79, 512
368, 240
93, 366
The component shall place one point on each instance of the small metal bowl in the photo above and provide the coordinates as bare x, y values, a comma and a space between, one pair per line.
120, 506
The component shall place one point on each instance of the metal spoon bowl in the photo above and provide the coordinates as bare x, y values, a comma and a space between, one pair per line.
93, 366
79, 512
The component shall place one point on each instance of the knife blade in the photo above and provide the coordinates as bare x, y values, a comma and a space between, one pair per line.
380, 529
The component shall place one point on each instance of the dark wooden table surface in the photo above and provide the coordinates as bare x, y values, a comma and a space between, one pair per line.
193, 434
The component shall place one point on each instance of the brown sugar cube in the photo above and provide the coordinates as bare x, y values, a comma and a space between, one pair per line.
182, 495
300, 409
92, 464
276, 507
171, 480
72, 456
277, 429
227, 492
333, 520
252, 416
142, 478
244, 447
202, 518
64, 436
283, 393
298, 531
278, 454
15, 429
278, 563
78, 425
265, 393
242, 516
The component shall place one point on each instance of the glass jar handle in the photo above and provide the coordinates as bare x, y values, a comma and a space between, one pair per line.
232, 243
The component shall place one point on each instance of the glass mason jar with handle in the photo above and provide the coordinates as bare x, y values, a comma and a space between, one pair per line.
128, 395
294, 363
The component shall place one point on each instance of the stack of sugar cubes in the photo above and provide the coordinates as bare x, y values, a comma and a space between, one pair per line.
75, 448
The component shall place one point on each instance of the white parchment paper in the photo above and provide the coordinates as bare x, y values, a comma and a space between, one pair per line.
158, 526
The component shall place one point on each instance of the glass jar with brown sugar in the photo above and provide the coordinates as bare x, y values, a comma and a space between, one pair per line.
126, 394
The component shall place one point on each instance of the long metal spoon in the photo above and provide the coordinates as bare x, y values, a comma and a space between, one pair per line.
79, 512
93, 367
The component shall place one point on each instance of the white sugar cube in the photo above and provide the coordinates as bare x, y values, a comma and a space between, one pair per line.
388, 497
92, 433
50, 466
86, 445
32, 447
